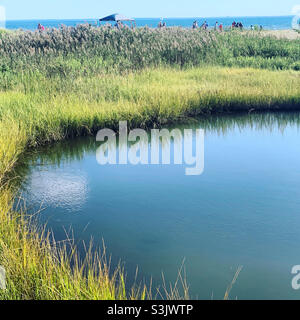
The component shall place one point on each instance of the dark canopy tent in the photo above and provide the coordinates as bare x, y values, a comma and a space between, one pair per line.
116, 17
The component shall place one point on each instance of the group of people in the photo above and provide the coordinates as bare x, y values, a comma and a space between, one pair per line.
41, 27
161, 25
204, 26
119, 25
218, 26
237, 25
256, 27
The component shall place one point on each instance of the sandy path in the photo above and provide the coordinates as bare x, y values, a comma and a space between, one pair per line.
280, 34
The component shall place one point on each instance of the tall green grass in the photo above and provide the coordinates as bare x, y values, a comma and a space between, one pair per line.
38, 268
74, 81
41, 110
46, 110
86, 51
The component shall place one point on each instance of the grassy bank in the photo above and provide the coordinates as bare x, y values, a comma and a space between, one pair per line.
74, 81
45, 110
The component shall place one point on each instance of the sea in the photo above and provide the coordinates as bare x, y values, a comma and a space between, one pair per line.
268, 23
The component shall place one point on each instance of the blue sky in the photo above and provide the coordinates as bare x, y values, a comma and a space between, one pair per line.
68, 9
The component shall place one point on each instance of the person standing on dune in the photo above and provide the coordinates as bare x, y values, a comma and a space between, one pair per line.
41, 27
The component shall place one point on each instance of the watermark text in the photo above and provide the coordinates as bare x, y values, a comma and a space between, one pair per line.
139, 147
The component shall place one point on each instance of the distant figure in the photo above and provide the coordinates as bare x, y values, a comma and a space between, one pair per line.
261, 28
221, 27
195, 25
164, 25
241, 26
216, 26
119, 25
41, 27
233, 25
204, 26
159, 25
252, 28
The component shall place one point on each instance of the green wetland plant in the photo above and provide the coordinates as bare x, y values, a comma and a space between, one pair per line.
70, 82
85, 50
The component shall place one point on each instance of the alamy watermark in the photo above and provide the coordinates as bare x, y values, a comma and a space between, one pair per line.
296, 19
2, 278
137, 147
296, 278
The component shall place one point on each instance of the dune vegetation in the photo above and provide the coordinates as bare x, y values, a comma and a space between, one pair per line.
71, 82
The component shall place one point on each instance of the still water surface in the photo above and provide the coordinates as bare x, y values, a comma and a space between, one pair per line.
243, 210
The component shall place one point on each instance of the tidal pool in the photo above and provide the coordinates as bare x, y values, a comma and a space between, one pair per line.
244, 210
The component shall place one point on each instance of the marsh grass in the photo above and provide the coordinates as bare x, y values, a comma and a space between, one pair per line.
69, 53
43, 112
74, 81
39, 268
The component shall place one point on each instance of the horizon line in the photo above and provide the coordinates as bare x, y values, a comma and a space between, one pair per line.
191, 17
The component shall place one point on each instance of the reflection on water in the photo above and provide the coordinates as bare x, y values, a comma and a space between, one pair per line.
58, 189
243, 210
65, 152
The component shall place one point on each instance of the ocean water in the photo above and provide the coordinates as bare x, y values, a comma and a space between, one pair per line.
284, 22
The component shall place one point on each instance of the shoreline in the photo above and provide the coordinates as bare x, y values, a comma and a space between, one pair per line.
270, 23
